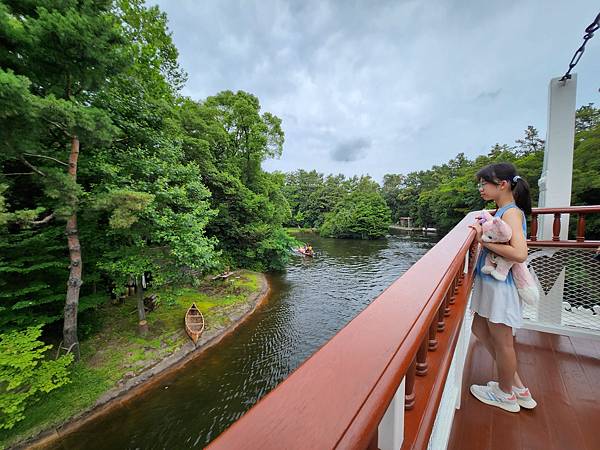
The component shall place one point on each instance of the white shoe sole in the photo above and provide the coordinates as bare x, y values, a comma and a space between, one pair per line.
527, 404
514, 408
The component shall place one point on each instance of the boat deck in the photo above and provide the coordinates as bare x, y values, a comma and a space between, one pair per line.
563, 374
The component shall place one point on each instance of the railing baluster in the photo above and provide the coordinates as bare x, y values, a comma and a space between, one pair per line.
433, 342
449, 298
581, 228
556, 227
534, 226
461, 274
440, 323
409, 396
455, 286
421, 366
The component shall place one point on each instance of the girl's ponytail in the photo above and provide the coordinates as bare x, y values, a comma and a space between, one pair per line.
521, 193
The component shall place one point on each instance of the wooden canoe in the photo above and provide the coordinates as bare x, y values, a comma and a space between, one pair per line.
194, 323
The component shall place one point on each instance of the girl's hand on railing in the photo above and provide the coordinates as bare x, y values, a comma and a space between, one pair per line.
479, 230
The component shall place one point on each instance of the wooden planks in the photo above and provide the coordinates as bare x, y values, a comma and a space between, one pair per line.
563, 374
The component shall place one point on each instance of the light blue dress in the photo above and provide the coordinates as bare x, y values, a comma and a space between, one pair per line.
498, 301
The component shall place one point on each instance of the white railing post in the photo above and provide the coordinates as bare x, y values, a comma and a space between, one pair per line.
390, 433
557, 173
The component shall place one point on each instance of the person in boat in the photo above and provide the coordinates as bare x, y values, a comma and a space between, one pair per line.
308, 249
496, 304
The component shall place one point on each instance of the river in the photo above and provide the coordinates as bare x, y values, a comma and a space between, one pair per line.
308, 304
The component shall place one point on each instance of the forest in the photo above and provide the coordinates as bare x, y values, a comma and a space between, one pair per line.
109, 174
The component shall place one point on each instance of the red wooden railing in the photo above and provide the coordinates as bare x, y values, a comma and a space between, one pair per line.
339, 395
580, 240
337, 398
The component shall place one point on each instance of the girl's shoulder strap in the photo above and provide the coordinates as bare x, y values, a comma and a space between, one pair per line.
505, 208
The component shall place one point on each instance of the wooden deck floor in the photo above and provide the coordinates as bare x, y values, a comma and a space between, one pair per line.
563, 374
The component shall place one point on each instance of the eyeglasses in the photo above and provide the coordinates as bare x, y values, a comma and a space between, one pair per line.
483, 184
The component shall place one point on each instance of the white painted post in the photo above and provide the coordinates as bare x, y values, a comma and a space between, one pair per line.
557, 173
390, 433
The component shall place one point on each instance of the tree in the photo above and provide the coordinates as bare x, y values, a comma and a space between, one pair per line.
587, 117
148, 206
392, 186
530, 143
363, 214
62, 53
227, 137
24, 372
251, 137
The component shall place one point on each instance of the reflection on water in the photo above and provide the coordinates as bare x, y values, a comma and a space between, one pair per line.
309, 303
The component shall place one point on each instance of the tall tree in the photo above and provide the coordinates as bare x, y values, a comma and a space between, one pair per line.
64, 51
530, 143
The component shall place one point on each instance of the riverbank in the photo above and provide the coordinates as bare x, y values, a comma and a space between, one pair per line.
400, 228
117, 365
293, 230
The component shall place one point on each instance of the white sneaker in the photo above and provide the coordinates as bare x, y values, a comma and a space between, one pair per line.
491, 394
524, 398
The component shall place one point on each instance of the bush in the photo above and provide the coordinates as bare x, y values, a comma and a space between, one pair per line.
24, 372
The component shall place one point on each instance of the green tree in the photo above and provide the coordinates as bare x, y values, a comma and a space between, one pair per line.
587, 117
363, 214
25, 372
62, 53
251, 137
148, 206
227, 137
530, 143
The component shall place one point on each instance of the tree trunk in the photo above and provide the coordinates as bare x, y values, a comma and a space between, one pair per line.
142, 324
70, 340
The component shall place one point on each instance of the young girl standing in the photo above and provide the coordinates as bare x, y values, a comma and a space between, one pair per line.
496, 304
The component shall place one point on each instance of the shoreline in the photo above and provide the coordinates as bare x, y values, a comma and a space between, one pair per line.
118, 396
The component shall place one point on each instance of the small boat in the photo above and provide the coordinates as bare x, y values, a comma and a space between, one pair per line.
302, 251
194, 323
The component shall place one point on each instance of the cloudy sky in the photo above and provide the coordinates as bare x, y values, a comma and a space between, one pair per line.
387, 86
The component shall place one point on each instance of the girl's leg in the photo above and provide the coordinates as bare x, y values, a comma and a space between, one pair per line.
506, 359
481, 330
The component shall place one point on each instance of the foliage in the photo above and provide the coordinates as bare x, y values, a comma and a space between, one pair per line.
228, 138
362, 214
24, 373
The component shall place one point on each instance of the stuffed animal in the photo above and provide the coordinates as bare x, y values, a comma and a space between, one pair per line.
498, 231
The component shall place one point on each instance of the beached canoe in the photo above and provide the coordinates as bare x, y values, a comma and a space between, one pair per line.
194, 323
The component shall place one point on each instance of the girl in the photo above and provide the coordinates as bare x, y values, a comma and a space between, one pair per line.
495, 303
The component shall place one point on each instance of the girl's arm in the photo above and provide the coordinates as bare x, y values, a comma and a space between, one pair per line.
516, 249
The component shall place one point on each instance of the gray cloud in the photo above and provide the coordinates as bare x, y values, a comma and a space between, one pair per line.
488, 95
351, 150
413, 78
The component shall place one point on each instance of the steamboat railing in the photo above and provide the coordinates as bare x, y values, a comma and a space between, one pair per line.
568, 275
391, 378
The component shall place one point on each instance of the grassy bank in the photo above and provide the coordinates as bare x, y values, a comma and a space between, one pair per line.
115, 352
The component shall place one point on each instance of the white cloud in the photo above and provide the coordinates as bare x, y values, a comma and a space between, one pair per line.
415, 82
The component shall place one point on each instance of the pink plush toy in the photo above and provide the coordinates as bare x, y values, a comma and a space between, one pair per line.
497, 230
